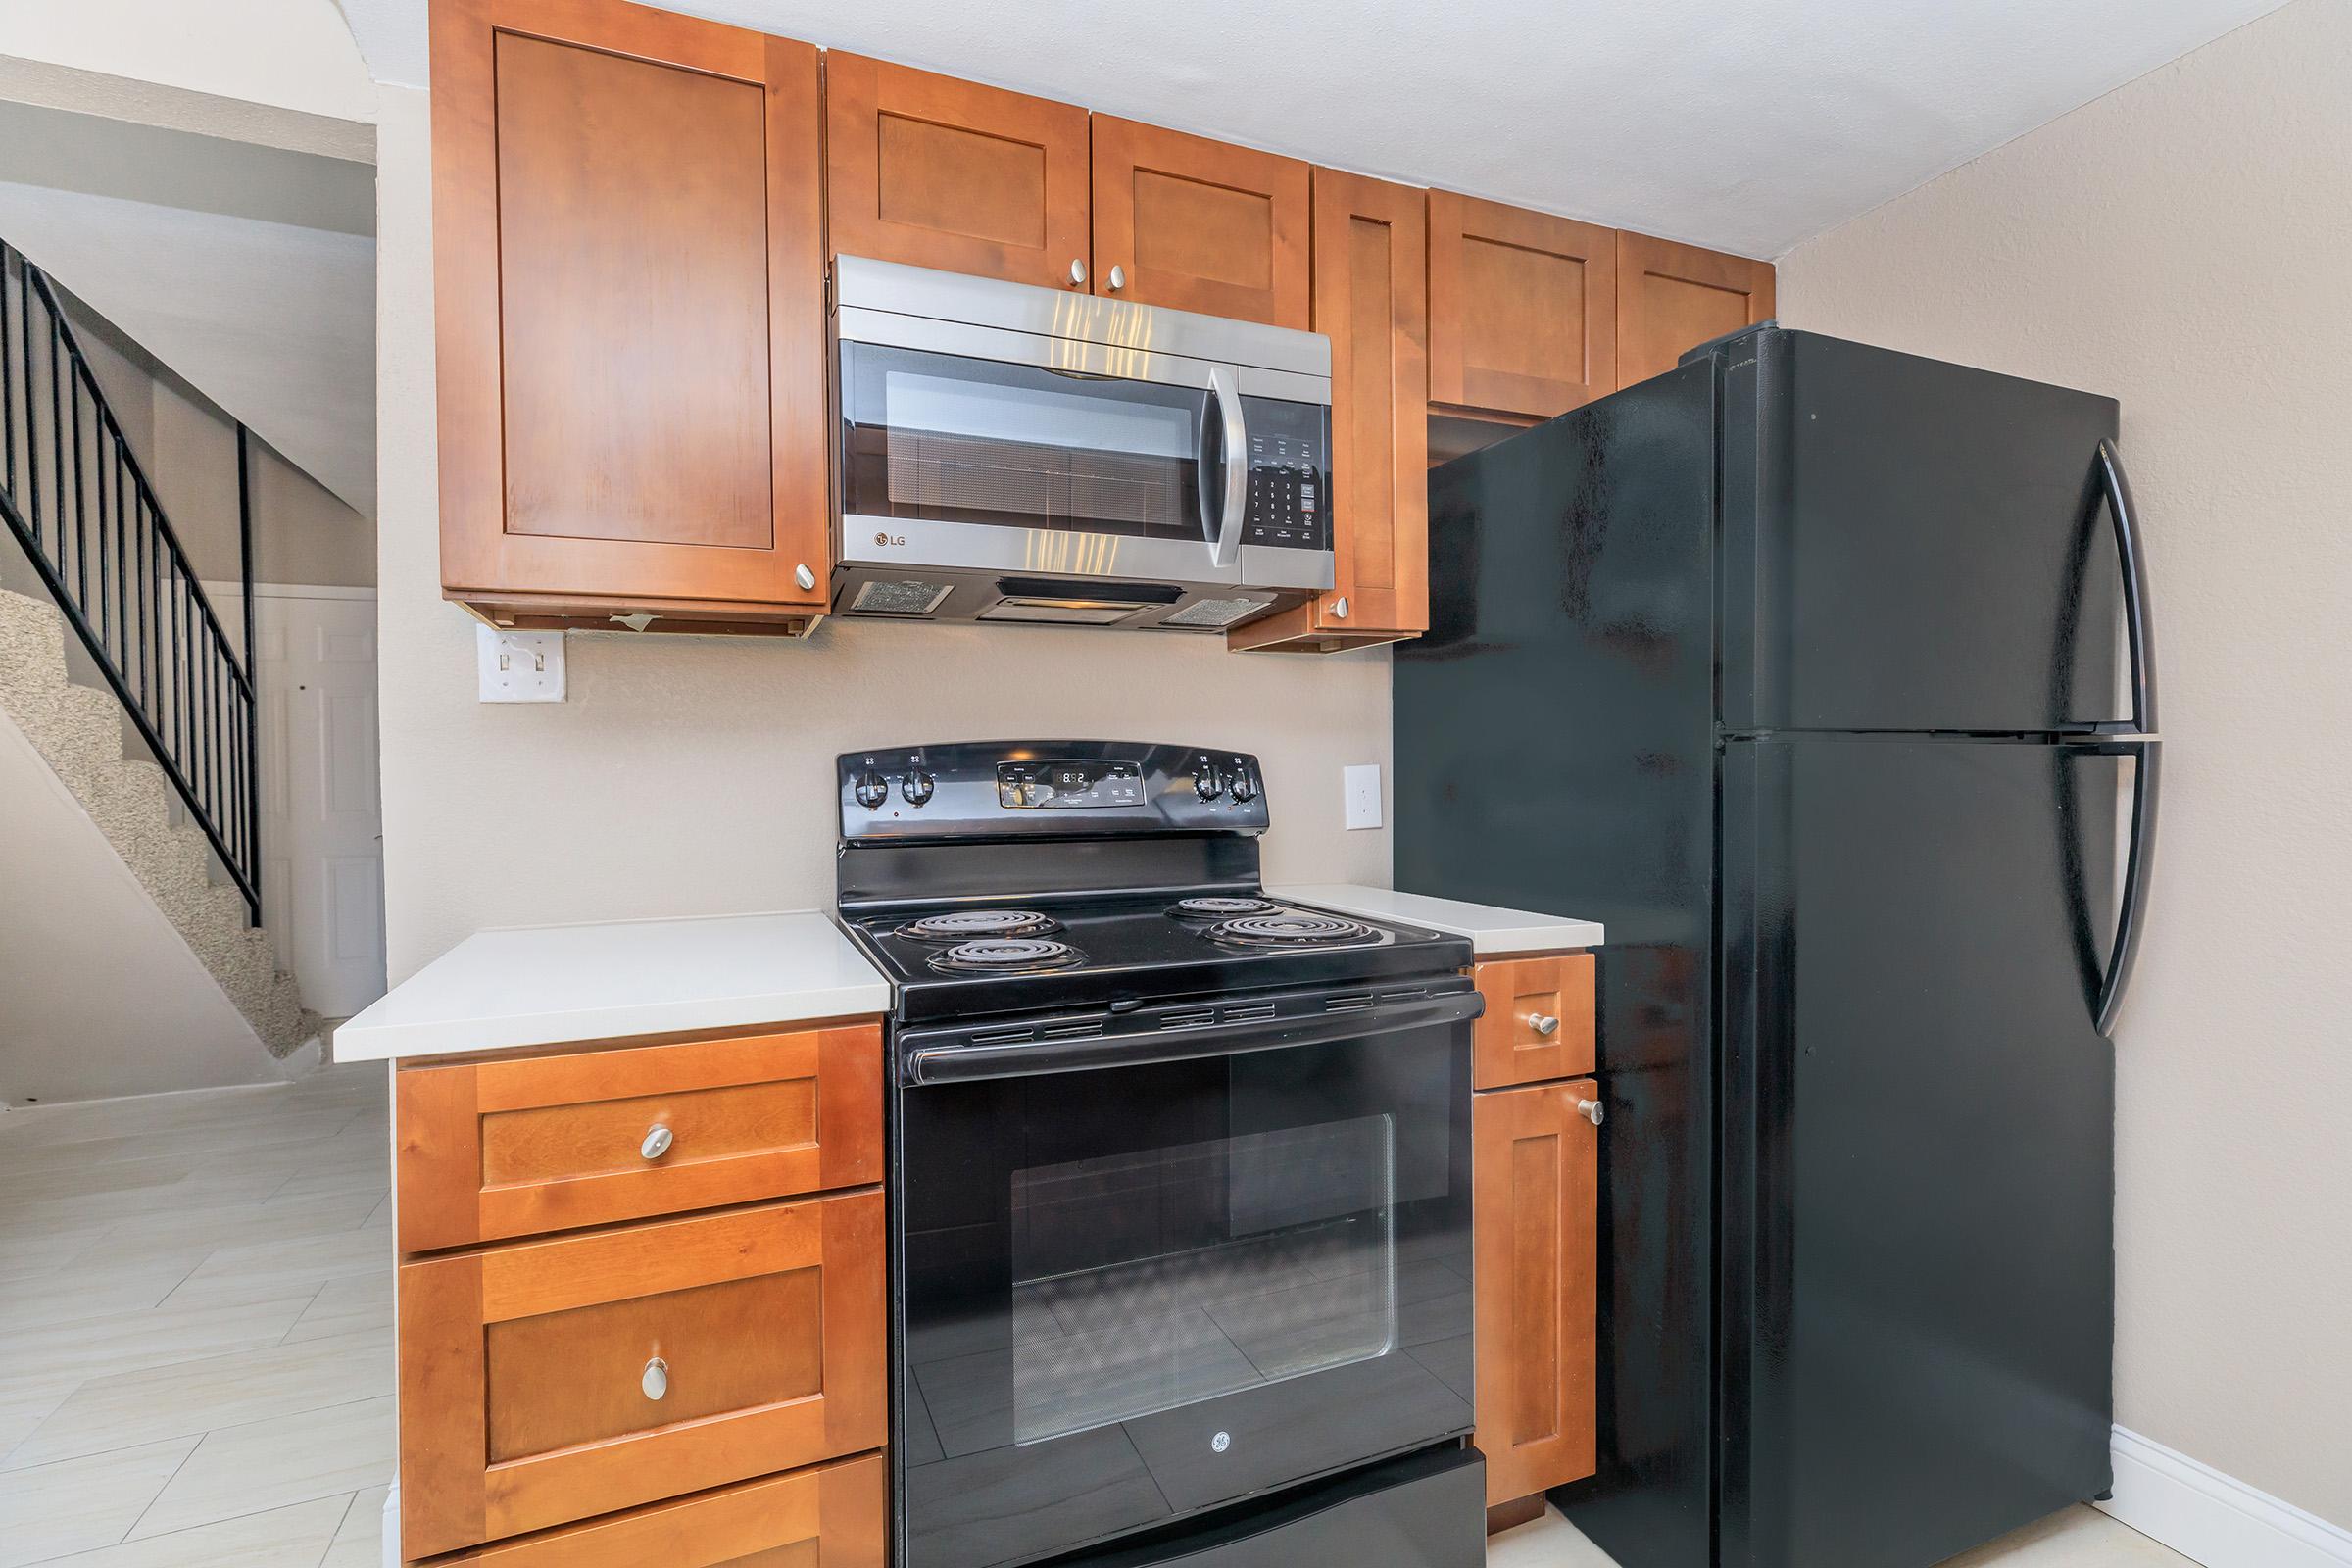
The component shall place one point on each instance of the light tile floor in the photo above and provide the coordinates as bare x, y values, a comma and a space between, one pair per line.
196, 1343
196, 1329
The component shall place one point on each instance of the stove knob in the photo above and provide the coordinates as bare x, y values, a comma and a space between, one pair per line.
1244, 787
916, 788
1206, 782
872, 789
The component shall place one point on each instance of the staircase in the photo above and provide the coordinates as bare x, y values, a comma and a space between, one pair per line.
158, 743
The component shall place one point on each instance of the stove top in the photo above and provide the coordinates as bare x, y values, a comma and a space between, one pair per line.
1019, 877
1107, 950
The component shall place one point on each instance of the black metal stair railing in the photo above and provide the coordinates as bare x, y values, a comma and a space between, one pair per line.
73, 493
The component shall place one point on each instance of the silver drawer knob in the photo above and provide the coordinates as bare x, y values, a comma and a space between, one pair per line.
805, 577
1590, 1110
1339, 609
1077, 273
1545, 1024
1118, 278
657, 1140
656, 1381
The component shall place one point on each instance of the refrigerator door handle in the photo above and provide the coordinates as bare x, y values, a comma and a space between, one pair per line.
2139, 862
2143, 635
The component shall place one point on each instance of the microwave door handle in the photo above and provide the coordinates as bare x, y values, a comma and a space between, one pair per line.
1224, 390
947, 1064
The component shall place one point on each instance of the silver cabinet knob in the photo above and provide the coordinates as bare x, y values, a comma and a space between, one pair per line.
657, 1140
805, 577
1118, 278
1590, 1110
656, 1381
1338, 608
1545, 1024
1077, 273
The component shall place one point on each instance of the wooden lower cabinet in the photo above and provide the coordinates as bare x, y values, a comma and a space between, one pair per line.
831, 1516
1536, 1165
518, 1146
557, 1380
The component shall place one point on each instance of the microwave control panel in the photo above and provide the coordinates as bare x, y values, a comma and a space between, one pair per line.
1289, 474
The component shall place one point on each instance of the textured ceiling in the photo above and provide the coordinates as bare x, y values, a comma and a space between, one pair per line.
1748, 127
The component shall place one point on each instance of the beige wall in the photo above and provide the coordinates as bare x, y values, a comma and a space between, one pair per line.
2185, 244
694, 775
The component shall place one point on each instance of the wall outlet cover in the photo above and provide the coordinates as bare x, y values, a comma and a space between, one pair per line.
1361, 786
519, 666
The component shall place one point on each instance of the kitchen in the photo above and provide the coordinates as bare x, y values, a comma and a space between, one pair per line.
574, 812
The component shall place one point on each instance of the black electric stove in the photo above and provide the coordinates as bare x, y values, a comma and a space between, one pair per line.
1180, 1174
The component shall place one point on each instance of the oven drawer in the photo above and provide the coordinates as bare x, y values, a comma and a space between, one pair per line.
557, 1379
831, 1516
1539, 1022
520, 1146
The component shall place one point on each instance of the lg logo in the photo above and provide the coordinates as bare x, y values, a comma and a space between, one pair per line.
888, 539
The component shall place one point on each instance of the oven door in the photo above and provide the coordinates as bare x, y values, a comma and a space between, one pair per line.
1159, 1270
976, 448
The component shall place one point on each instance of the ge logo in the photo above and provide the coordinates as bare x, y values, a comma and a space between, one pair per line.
887, 539
1221, 1441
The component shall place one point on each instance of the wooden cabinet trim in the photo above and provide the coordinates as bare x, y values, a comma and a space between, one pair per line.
1458, 309
1505, 1047
1650, 345
841, 1507
1536, 1165
862, 95
1272, 276
453, 1497
448, 1199
478, 551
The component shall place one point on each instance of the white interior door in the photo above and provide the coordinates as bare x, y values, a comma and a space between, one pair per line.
322, 851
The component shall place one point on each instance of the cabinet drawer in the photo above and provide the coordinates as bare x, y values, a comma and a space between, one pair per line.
1539, 1022
832, 1516
528, 1387
501, 1149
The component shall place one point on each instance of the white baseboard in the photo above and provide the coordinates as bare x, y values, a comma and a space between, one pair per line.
2215, 1519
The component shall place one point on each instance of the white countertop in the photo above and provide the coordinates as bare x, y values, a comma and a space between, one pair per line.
1491, 930
549, 984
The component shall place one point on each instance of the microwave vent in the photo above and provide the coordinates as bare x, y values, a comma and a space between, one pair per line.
1212, 613
900, 596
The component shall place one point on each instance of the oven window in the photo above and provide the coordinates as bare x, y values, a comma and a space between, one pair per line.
1147, 1281
944, 438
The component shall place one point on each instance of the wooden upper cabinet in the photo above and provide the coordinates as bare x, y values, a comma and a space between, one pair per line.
934, 172
1521, 309
1199, 225
1535, 1163
628, 251
1371, 299
1670, 298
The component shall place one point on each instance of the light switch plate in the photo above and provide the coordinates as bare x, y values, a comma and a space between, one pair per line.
518, 667
1362, 785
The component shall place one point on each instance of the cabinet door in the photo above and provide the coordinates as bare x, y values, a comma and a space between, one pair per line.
555, 1380
1670, 298
1371, 245
1199, 225
1521, 309
627, 234
935, 172
1539, 1022
832, 1516
1537, 1168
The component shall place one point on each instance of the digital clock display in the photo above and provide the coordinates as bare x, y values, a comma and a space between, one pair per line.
1068, 785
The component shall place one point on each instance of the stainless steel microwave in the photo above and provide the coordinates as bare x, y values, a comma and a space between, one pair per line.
1019, 453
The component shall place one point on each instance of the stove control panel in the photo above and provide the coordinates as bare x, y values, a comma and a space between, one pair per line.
1042, 789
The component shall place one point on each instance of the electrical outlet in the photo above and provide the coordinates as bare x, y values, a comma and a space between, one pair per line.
1361, 786
518, 667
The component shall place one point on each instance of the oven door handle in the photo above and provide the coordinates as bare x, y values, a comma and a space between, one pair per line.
956, 1064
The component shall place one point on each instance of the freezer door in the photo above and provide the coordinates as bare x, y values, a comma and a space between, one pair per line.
1555, 750
1918, 1143
1909, 545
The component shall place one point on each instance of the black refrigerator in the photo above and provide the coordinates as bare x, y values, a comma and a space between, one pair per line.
1822, 676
